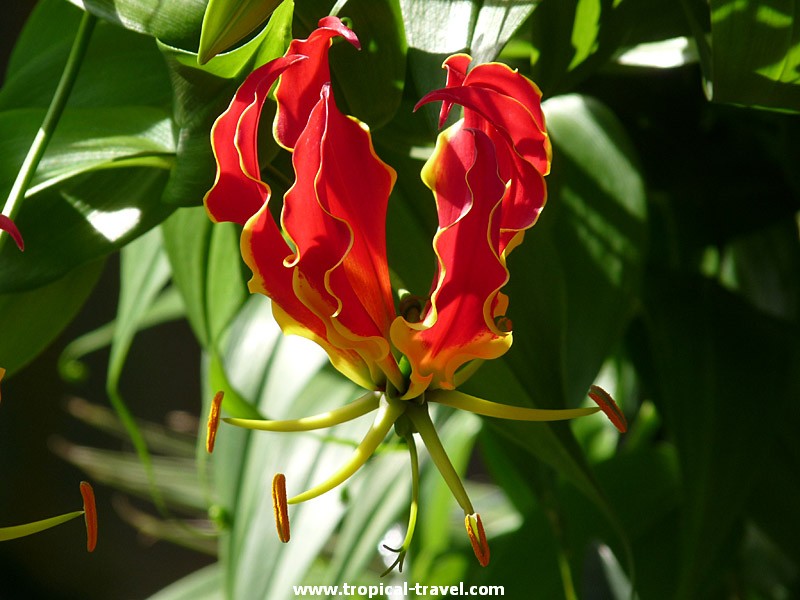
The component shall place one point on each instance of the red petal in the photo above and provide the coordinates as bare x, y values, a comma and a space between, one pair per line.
8, 226
298, 90
238, 193
335, 215
460, 323
456, 66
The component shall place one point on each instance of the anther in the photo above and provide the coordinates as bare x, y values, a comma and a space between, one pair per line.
411, 308
477, 538
280, 507
90, 515
213, 421
2, 374
609, 407
503, 323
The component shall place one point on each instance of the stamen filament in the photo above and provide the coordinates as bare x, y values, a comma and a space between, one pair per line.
467, 371
18, 531
422, 422
387, 415
412, 516
486, 408
357, 408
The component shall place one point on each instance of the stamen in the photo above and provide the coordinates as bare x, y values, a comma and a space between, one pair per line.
387, 415
486, 408
279, 506
503, 323
213, 421
422, 421
357, 408
477, 538
609, 407
90, 515
412, 517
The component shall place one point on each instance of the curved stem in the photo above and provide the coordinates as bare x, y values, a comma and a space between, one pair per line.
355, 409
51, 118
504, 411
388, 413
412, 516
422, 421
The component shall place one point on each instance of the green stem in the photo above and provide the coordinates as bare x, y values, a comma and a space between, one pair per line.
422, 421
51, 118
355, 409
412, 515
486, 408
388, 413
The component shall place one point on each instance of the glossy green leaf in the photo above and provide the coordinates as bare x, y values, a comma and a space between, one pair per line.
755, 53
86, 218
30, 320
176, 22
227, 22
205, 262
715, 382
121, 68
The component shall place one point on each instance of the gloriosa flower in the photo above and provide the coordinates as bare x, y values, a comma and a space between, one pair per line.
324, 266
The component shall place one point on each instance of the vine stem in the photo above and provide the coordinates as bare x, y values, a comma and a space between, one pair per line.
51, 118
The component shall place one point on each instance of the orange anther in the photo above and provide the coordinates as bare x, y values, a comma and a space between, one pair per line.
609, 407
477, 538
213, 421
90, 514
280, 507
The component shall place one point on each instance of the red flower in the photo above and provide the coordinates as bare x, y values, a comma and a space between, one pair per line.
324, 266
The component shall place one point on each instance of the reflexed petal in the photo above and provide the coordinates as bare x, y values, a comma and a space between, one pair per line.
460, 323
298, 91
456, 66
238, 192
335, 216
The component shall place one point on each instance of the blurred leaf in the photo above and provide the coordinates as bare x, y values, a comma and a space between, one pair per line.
144, 272
283, 374
203, 93
717, 362
226, 22
176, 22
204, 584
84, 219
205, 263
121, 68
755, 53
29, 321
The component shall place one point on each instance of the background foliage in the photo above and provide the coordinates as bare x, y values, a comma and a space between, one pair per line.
666, 267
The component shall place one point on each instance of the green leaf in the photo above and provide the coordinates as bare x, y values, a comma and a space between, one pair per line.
200, 585
755, 53
31, 320
206, 267
86, 218
719, 364
121, 68
226, 22
176, 22
283, 375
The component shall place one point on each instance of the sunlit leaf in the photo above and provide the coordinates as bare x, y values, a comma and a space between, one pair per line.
227, 22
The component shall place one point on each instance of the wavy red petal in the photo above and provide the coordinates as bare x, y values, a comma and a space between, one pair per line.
298, 90
460, 323
456, 66
238, 193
